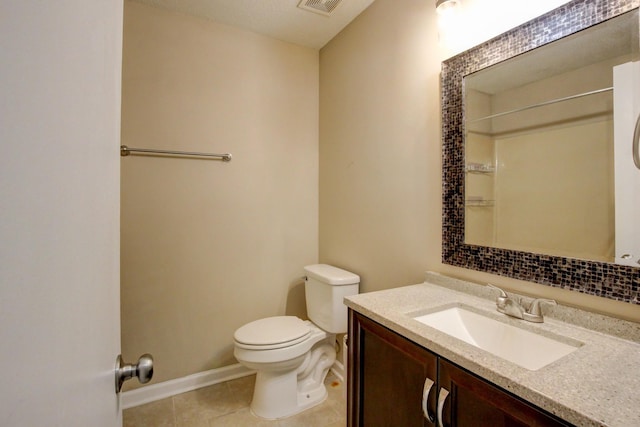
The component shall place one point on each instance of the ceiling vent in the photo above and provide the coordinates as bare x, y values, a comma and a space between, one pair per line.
323, 7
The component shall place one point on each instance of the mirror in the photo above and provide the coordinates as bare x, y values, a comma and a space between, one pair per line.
541, 173
538, 177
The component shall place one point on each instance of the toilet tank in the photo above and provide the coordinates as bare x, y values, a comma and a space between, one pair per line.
325, 288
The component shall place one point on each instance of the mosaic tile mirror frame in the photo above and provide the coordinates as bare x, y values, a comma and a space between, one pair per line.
602, 279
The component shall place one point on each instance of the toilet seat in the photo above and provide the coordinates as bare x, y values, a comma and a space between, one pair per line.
272, 333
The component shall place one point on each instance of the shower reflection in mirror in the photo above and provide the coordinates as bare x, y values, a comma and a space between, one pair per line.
548, 138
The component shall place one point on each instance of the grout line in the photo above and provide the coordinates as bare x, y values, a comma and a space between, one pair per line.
173, 412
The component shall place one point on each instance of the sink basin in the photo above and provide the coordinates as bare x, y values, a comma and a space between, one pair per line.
524, 348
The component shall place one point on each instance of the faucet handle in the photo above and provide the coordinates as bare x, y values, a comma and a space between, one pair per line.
534, 308
501, 300
534, 313
503, 294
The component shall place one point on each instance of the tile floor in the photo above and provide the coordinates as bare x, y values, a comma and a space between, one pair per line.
227, 404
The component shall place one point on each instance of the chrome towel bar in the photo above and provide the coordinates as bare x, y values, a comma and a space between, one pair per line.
125, 151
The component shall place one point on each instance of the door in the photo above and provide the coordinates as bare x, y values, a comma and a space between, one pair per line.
59, 212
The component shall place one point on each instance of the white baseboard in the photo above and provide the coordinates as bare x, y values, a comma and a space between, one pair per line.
165, 389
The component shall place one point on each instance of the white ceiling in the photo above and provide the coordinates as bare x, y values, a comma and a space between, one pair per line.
281, 19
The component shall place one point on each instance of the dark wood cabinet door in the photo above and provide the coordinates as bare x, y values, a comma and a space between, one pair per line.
387, 376
473, 402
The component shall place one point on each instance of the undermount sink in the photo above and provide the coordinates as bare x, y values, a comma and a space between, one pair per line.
524, 348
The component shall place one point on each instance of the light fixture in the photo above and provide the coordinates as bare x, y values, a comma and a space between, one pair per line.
448, 21
446, 6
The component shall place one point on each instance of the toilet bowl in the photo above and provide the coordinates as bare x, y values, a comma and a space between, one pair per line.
292, 356
290, 374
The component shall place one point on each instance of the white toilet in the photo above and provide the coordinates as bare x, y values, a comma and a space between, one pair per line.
292, 356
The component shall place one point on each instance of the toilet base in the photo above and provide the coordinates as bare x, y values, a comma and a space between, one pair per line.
279, 394
312, 398
273, 406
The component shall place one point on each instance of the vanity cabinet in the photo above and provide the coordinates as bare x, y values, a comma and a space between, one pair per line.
387, 377
394, 382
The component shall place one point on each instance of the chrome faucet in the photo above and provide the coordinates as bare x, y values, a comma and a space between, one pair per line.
501, 301
534, 312
515, 308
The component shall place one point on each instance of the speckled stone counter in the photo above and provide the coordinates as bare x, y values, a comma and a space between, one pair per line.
596, 385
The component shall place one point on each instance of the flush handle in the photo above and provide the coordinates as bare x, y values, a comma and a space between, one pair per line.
125, 371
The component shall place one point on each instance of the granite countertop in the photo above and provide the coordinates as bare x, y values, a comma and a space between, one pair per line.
596, 385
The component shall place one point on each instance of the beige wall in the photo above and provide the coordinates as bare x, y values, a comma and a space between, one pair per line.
380, 144
380, 155
208, 246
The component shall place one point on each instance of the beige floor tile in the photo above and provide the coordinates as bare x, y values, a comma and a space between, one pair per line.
196, 408
227, 404
242, 418
336, 390
318, 416
242, 388
154, 414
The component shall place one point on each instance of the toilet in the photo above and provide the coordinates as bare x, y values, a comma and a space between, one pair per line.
292, 356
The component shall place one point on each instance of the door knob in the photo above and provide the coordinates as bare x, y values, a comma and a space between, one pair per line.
143, 370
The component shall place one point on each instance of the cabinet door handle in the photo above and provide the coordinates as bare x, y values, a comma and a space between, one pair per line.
426, 391
442, 398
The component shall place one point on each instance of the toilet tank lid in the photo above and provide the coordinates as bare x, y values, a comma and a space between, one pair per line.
331, 275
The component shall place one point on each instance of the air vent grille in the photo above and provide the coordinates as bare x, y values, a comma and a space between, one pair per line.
323, 7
